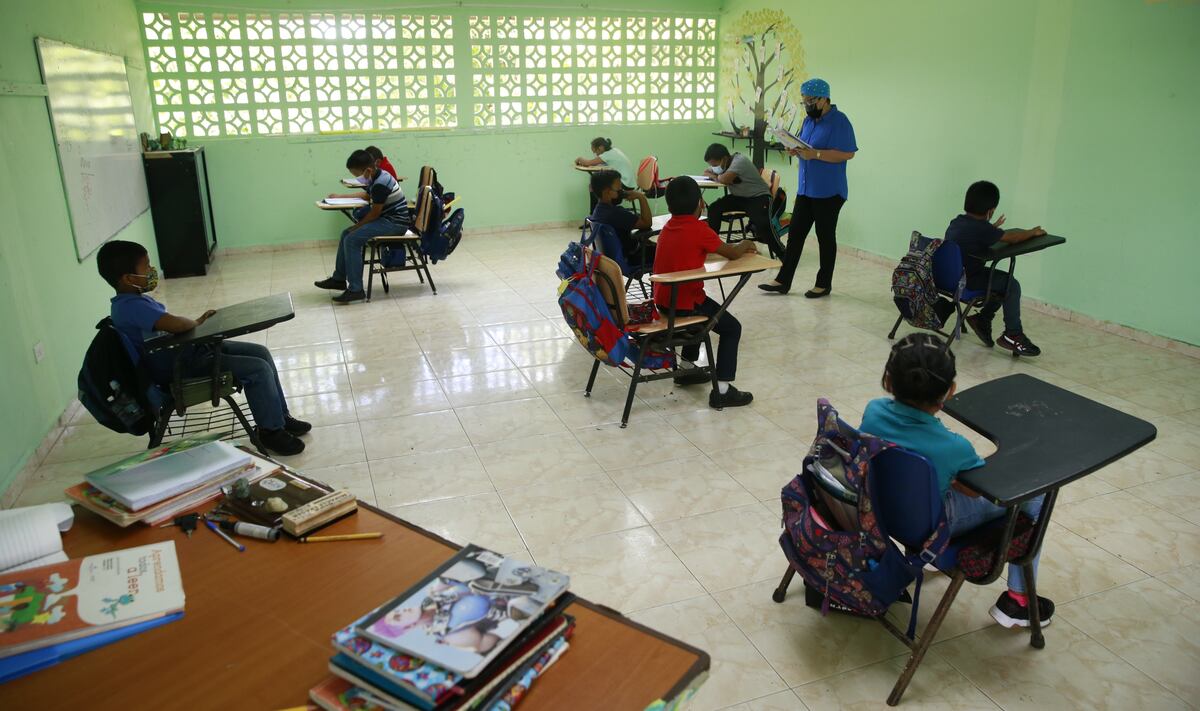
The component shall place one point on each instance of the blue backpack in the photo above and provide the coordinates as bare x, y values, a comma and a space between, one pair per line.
393, 257
112, 389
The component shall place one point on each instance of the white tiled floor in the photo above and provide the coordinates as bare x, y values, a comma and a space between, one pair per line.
463, 412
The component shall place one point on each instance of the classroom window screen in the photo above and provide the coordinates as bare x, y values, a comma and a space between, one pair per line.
248, 73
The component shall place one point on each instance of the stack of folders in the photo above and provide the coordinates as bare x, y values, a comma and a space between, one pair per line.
58, 611
475, 634
155, 485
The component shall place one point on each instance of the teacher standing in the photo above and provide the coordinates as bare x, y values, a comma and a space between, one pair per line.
822, 188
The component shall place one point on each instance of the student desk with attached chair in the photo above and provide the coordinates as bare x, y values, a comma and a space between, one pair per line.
184, 392
670, 331
1046, 437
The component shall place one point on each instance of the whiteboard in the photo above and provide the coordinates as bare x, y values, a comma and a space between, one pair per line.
99, 151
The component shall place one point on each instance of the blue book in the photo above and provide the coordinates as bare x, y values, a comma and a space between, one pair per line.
19, 665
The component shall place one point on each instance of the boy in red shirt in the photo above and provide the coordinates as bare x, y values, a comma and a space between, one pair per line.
683, 244
381, 160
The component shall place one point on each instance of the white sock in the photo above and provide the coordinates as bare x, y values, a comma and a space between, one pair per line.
722, 386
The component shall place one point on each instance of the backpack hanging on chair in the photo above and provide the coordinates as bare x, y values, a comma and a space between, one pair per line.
589, 316
913, 289
832, 536
111, 387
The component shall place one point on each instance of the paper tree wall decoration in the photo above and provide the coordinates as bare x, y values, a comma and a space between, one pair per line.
763, 64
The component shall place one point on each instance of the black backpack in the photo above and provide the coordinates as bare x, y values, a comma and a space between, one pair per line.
111, 388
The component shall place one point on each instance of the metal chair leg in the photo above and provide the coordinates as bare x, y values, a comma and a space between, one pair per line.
1036, 640
592, 379
369, 252
712, 362
927, 637
250, 431
633, 383
781, 591
895, 327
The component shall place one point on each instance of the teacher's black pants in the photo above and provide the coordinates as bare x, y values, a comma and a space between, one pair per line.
823, 212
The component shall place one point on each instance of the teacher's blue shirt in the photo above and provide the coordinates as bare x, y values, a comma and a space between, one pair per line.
819, 179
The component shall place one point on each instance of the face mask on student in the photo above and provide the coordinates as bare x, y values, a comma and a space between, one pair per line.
716, 169
813, 111
151, 277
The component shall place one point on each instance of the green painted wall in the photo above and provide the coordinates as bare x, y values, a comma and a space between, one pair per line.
1083, 113
46, 294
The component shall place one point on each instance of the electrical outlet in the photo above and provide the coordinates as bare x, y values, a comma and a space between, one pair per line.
39, 352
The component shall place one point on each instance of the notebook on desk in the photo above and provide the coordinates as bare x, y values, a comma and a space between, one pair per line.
345, 202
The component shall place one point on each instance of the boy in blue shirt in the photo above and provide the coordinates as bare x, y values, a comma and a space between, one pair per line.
975, 233
386, 214
607, 187
920, 375
137, 317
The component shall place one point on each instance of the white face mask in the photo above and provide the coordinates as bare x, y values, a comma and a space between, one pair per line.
716, 169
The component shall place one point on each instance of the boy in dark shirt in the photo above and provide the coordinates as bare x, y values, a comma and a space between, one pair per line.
684, 243
386, 213
974, 233
137, 317
610, 193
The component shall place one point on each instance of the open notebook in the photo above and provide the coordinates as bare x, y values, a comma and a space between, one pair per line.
32, 536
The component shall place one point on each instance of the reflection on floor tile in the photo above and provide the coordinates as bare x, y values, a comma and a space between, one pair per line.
464, 413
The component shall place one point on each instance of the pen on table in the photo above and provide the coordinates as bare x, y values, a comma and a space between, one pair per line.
213, 527
345, 537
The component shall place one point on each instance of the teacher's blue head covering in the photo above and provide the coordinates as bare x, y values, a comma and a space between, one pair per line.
815, 87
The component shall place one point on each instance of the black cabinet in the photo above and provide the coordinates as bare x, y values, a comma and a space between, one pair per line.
182, 210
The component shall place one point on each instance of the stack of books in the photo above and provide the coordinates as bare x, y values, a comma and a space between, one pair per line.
475, 634
57, 611
156, 485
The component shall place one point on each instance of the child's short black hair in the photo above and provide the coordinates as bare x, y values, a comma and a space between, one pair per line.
981, 197
602, 180
920, 369
118, 258
716, 151
375, 152
359, 160
683, 196
601, 142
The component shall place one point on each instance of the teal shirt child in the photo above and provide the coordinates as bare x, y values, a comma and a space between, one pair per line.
921, 432
616, 160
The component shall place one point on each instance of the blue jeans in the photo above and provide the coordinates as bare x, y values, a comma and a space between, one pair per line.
965, 513
1011, 301
254, 368
349, 264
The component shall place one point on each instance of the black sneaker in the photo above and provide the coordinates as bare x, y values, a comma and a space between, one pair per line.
692, 376
296, 427
280, 442
1010, 613
982, 328
331, 284
1019, 344
348, 296
732, 398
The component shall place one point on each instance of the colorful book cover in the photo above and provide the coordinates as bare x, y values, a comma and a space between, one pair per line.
337, 694
159, 474
524, 679
65, 601
466, 612
423, 679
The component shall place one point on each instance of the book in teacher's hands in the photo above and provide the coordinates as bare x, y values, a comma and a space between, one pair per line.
57, 603
467, 611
